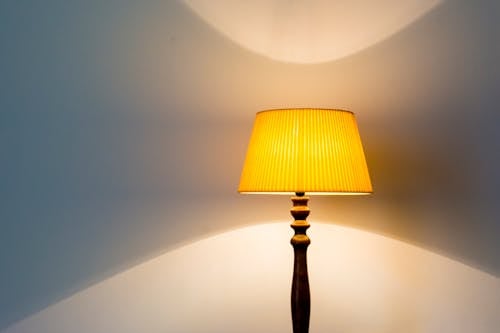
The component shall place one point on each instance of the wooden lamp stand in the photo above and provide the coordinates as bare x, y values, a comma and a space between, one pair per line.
301, 299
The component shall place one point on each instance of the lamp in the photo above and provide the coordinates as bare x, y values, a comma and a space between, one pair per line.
313, 151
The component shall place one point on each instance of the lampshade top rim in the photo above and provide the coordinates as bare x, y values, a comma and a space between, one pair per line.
306, 108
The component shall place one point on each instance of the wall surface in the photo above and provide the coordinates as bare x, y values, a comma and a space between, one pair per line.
124, 124
360, 282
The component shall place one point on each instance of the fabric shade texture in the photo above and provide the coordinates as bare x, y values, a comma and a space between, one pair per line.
317, 151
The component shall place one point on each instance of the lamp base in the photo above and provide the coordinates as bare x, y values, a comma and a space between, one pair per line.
301, 299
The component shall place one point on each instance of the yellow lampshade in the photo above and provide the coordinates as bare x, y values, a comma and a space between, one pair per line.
317, 151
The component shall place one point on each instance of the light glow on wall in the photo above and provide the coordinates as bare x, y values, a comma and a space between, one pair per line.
309, 31
239, 281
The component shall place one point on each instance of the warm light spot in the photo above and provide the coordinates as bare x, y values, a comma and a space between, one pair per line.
239, 281
309, 31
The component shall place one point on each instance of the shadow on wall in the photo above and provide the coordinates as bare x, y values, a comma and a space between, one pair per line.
123, 128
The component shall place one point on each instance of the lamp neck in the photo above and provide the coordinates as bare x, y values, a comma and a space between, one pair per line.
300, 212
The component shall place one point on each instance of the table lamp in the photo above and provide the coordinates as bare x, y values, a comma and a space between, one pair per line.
299, 151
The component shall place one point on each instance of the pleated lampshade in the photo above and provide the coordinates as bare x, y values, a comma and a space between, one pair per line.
317, 151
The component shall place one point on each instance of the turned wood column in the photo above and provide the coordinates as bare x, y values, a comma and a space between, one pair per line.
301, 302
